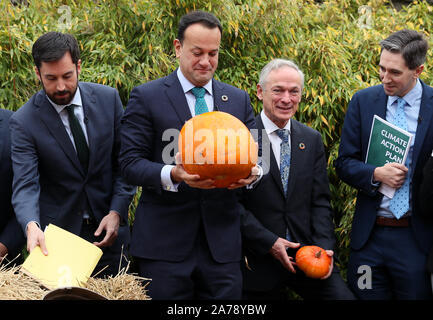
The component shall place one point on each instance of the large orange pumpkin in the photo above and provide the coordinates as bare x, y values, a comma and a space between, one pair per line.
313, 261
219, 146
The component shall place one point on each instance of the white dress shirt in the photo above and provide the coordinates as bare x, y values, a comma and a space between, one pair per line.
271, 129
166, 182
78, 111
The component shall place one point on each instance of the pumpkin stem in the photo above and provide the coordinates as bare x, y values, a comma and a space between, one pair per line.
318, 254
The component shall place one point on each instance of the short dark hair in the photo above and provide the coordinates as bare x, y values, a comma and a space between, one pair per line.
52, 46
205, 18
411, 44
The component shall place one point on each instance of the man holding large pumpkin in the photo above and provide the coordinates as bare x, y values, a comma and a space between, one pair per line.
290, 207
390, 238
186, 234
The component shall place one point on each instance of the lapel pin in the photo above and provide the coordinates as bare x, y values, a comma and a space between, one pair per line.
224, 98
302, 146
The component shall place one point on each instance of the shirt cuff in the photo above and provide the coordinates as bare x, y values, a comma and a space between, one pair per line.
374, 184
260, 175
166, 182
25, 230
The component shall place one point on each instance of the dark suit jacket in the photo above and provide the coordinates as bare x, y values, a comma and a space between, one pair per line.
11, 234
352, 169
306, 211
426, 199
166, 223
50, 185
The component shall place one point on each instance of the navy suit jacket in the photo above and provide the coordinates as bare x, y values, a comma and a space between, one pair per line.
305, 212
11, 234
50, 185
166, 223
426, 200
352, 169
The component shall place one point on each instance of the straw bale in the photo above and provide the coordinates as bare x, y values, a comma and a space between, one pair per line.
15, 285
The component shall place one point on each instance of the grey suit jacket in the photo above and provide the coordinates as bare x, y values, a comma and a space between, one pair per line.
49, 185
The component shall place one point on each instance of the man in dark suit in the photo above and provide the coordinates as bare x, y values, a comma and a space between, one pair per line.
11, 236
65, 145
390, 239
186, 234
426, 202
286, 211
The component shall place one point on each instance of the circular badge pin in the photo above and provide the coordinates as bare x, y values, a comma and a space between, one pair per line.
224, 98
302, 146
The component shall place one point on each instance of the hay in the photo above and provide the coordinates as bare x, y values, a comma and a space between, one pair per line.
15, 285
123, 286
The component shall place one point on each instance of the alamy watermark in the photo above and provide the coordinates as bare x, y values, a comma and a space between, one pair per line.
65, 20
365, 20
223, 146
365, 278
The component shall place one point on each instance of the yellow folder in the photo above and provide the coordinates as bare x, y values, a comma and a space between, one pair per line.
69, 263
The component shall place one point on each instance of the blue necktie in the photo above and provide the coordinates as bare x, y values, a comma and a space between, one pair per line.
284, 157
200, 102
399, 204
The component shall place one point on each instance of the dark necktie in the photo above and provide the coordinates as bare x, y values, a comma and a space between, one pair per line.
200, 102
79, 138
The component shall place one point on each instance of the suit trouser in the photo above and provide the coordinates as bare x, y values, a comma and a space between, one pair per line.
332, 288
198, 276
112, 260
390, 266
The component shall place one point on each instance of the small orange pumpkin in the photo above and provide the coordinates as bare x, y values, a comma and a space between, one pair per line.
218, 146
313, 261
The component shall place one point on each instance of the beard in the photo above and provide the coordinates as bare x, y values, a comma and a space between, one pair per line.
61, 97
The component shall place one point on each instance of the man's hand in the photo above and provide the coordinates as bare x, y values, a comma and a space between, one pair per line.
35, 237
254, 174
330, 254
278, 251
392, 174
3, 251
110, 223
178, 174
255, 171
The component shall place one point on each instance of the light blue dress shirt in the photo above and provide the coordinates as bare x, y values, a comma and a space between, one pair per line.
413, 103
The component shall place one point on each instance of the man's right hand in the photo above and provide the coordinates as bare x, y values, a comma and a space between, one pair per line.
35, 237
393, 174
178, 174
279, 252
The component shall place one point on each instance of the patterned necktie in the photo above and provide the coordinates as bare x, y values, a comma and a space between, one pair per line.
79, 138
399, 204
284, 157
200, 102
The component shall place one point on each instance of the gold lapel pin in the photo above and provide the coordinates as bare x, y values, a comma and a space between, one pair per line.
302, 146
224, 98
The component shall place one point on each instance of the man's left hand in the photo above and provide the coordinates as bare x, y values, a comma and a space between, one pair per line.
110, 223
330, 254
254, 174
3, 251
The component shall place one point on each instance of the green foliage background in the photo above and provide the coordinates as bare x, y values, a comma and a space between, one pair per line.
125, 43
